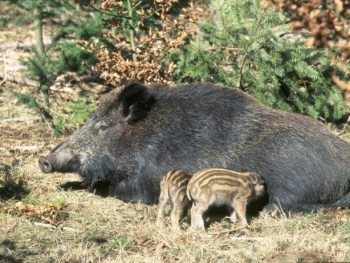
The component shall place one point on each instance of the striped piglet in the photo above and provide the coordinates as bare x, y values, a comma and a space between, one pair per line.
217, 186
173, 192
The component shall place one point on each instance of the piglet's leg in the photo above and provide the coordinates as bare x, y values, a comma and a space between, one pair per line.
239, 204
161, 210
175, 216
233, 216
197, 211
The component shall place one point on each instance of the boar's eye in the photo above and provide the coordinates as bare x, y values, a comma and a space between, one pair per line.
101, 126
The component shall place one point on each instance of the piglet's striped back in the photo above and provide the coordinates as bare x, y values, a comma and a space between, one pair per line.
176, 182
218, 179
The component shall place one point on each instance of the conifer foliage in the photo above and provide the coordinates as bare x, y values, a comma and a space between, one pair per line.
70, 29
62, 53
249, 46
239, 43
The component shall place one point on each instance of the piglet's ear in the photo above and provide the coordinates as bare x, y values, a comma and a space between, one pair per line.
135, 101
254, 178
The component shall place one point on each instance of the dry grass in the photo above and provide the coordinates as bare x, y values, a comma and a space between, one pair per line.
92, 228
45, 222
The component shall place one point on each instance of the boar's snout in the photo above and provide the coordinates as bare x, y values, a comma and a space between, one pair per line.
60, 159
45, 165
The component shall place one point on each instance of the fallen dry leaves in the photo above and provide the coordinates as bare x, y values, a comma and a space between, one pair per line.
140, 54
49, 213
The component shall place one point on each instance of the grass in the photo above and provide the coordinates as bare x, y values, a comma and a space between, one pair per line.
76, 113
104, 229
26, 98
52, 218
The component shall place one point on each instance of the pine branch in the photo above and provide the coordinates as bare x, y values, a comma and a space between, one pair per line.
38, 15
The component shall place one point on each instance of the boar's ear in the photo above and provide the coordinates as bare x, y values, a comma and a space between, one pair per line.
135, 101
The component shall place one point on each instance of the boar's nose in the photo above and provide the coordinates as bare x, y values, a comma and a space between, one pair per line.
45, 165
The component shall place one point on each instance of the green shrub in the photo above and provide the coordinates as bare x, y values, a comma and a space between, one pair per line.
68, 51
250, 47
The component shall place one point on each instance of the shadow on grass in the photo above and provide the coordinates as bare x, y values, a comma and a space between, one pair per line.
10, 190
219, 213
8, 245
255, 207
10, 187
9, 259
100, 188
10, 253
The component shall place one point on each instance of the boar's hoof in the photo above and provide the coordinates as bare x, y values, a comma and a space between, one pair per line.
45, 165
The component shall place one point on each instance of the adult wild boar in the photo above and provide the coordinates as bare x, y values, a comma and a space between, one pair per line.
139, 133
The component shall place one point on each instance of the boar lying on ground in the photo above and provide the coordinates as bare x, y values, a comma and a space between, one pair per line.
219, 187
139, 133
173, 191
